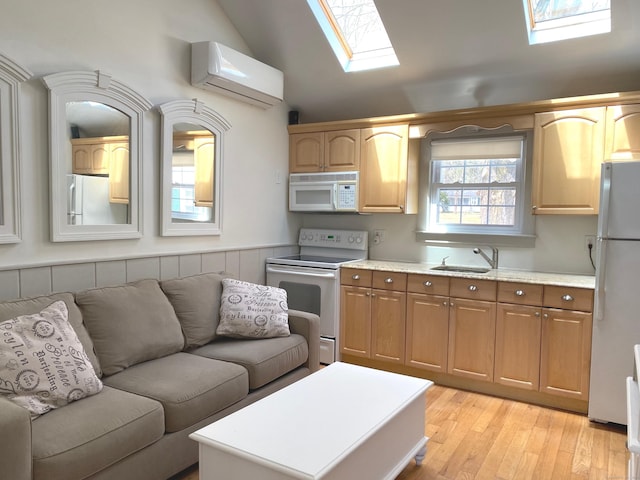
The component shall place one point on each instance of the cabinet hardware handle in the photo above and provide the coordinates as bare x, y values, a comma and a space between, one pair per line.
567, 298
444, 304
537, 314
519, 293
367, 294
545, 315
373, 294
388, 280
534, 207
355, 277
473, 288
452, 304
427, 283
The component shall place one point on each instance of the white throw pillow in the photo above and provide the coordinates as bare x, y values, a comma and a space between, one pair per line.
43, 365
248, 310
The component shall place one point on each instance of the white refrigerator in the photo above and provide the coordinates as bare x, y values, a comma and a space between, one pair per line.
88, 202
616, 321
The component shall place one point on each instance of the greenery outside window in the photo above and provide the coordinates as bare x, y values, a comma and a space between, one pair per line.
554, 20
476, 190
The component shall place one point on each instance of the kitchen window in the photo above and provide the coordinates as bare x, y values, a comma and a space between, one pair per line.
476, 189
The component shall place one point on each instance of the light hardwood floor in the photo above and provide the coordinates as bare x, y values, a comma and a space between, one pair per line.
478, 437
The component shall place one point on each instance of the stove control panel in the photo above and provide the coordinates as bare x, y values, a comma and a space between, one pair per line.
349, 239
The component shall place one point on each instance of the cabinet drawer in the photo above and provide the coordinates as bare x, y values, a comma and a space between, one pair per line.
390, 281
431, 284
568, 298
355, 277
474, 289
520, 293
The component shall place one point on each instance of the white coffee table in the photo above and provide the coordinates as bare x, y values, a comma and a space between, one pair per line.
342, 422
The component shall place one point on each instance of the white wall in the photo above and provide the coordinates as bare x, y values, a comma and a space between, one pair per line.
560, 242
146, 45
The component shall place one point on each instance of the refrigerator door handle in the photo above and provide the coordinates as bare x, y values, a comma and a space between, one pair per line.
71, 201
600, 279
605, 198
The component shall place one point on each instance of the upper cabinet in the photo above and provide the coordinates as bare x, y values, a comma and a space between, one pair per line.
332, 151
567, 153
622, 140
387, 170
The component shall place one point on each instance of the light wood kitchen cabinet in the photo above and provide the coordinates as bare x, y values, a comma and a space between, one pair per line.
427, 322
386, 176
622, 141
567, 153
373, 319
119, 173
91, 156
472, 328
204, 154
518, 335
388, 316
566, 342
331, 151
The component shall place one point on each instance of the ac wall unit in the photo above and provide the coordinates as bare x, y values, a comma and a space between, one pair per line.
224, 70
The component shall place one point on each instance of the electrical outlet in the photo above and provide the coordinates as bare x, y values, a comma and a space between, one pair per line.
378, 236
590, 240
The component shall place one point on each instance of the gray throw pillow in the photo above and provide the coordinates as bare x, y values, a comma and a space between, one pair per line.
248, 310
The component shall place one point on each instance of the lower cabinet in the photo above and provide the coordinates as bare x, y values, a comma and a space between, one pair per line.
525, 336
566, 353
472, 331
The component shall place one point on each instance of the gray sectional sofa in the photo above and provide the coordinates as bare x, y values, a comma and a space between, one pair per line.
165, 374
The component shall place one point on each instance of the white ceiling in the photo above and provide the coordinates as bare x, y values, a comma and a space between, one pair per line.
453, 54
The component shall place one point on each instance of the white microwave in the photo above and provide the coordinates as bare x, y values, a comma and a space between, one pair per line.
323, 192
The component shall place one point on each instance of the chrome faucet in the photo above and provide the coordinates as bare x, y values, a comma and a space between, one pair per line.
493, 261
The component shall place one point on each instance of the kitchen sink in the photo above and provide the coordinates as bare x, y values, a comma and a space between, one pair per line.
455, 268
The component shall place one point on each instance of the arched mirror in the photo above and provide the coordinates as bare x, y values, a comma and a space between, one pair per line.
95, 134
192, 146
11, 75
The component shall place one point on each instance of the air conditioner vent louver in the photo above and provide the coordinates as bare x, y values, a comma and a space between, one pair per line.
221, 69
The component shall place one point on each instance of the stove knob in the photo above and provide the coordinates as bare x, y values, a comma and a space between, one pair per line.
350, 238
358, 239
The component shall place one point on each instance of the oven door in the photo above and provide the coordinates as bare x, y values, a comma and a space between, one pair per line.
314, 290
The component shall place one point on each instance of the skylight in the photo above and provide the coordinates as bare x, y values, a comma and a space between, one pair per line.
553, 20
355, 32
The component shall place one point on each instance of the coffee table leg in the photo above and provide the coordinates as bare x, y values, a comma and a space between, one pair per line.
420, 455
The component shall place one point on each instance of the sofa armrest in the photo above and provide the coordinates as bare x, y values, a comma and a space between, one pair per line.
15, 441
308, 325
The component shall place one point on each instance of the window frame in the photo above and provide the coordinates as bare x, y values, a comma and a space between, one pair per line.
522, 234
567, 27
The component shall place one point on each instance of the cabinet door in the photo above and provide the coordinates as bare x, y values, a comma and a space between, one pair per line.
383, 169
388, 325
204, 153
517, 361
90, 159
622, 141
119, 173
472, 329
427, 332
306, 152
355, 321
342, 150
567, 153
566, 353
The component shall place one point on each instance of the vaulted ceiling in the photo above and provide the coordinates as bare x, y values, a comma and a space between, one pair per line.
453, 54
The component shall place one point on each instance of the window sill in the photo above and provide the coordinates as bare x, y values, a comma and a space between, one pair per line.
497, 240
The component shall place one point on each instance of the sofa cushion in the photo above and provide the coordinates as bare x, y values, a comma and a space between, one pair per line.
248, 310
43, 364
130, 324
27, 306
88, 435
189, 387
196, 300
265, 360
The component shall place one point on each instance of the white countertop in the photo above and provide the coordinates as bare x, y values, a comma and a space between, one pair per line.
499, 274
